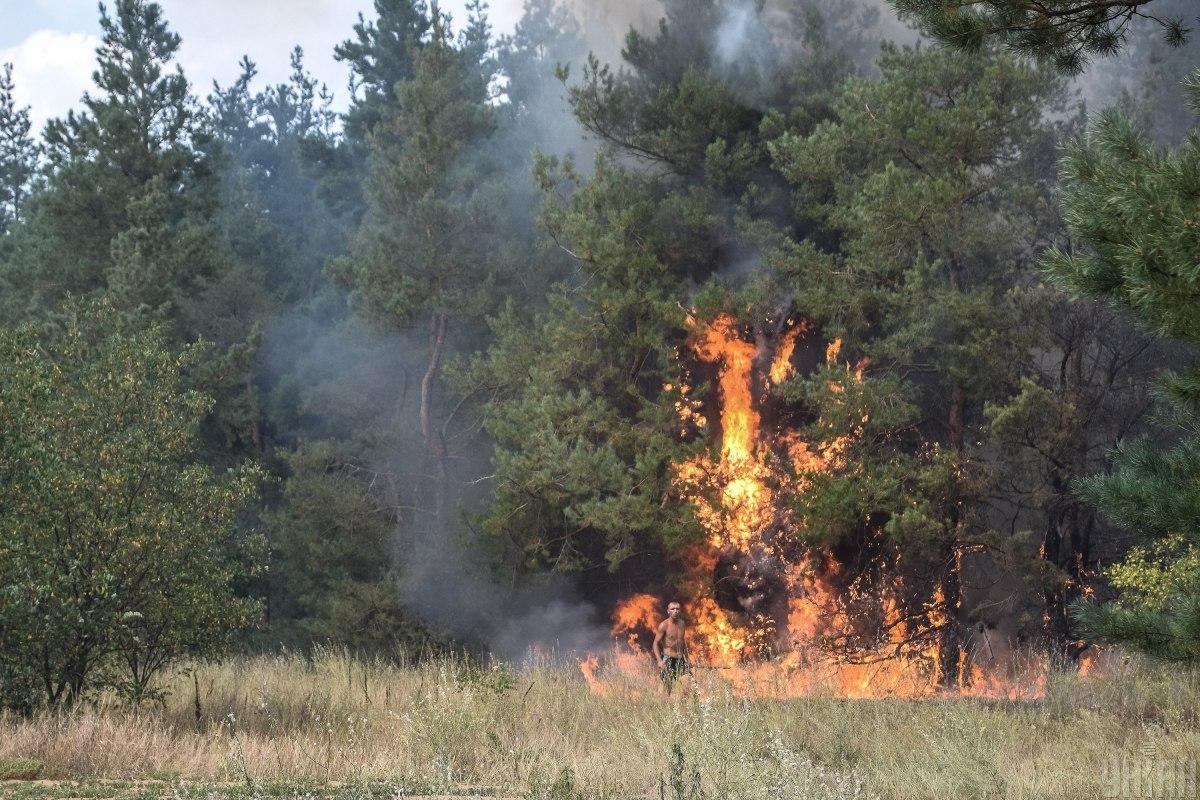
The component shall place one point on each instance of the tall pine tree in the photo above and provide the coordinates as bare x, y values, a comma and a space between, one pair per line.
1134, 210
131, 193
425, 253
18, 154
582, 394
1131, 207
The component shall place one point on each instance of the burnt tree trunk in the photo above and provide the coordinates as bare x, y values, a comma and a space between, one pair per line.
1066, 543
949, 580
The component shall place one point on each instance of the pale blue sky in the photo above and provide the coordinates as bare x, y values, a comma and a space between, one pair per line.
51, 42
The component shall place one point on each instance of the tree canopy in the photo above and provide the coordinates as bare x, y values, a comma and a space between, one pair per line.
1067, 32
120, 546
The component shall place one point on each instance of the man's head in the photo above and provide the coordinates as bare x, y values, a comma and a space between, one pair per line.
673, 609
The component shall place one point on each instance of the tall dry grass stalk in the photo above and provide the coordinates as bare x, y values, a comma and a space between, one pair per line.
448, 723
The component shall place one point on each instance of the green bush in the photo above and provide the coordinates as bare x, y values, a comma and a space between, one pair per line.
20, 769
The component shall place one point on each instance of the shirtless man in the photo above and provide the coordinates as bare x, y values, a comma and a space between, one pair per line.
670, 647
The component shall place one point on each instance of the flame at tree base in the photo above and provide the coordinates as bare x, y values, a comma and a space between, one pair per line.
807, 668
629, 674
768, 617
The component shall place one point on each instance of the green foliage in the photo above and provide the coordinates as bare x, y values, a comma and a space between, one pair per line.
1066, 32
1134, 207
1173, 635
331, 578
494, 678
920, 172
381, 54
275, 240
582, 395
20, 769
923, 177
430, 249
130, 189
896, 213
582, 424
1135, 210
881, 463
415, 252
1155, 491
18, 154
1150, 576
682, 104
119, 545
545, 38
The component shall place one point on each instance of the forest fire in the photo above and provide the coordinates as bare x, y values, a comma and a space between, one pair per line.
768, 612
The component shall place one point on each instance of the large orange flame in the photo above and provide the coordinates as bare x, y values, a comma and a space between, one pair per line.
740, 499
633, 616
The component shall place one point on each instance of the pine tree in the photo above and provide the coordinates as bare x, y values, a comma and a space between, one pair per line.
1065, 31
586, 435
425, 251
546, 38
922, 175
130, 192
684, 105
1133, 207
382, 53
584, 430
273, 234
1129, 205
18, 154
331, 530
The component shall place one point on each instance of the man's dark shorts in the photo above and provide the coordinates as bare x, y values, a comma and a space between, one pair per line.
674, 668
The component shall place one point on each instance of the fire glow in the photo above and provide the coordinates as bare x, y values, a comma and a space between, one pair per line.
767, 614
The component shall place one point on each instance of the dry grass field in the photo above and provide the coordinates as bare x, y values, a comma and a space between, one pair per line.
337, 726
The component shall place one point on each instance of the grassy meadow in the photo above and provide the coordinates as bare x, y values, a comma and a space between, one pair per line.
335, 726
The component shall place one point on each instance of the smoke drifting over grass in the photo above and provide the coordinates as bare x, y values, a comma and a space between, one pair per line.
453, 591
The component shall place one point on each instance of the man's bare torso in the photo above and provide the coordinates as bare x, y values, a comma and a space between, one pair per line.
672, 638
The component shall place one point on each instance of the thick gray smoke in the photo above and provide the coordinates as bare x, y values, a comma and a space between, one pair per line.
349, 377
736, 30
453, 590
742, 25
605, 23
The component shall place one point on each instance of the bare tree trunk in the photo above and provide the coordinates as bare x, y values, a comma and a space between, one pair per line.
435, 444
